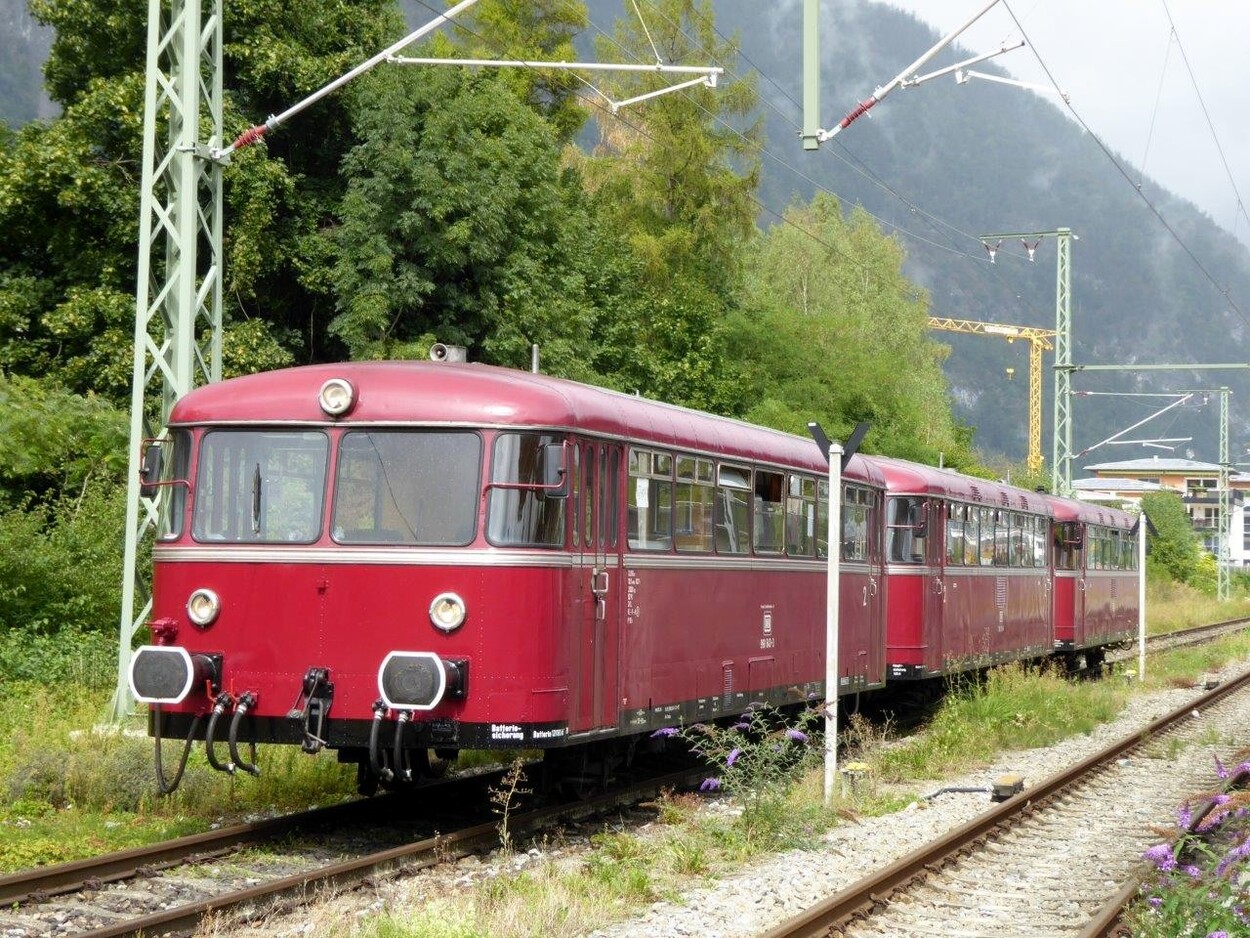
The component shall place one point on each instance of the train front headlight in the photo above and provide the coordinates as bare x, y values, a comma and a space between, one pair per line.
203, 607
447, 612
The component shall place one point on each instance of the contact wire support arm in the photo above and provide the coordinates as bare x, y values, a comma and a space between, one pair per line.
909, 72
252, 134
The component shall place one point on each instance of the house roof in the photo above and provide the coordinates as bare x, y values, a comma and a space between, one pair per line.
1115, 485
1154, 464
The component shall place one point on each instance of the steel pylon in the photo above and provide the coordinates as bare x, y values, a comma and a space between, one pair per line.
178, 290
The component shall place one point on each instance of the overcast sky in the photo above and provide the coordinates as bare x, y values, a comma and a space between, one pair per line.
1115, 58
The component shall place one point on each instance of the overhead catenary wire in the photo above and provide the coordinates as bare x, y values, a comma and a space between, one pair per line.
1154, 210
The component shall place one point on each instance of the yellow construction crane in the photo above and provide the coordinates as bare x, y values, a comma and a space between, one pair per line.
1039, 341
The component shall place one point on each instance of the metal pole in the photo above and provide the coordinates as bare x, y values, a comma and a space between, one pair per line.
831, 619
1141, 596
811, 74
1223, 556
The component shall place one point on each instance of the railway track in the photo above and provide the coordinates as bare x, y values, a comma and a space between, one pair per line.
1046, 860
169, 888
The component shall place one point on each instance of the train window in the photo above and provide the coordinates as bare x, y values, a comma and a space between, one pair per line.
905, 529
609, 495
524, 516
175, 464
1037, 543
822, 518
407, 487
955, 515
985, 544
260, 486
856, 505
801, 517
695, 494
1067, 545
972, 538
732, 534
769, 531
650, 492
575, 473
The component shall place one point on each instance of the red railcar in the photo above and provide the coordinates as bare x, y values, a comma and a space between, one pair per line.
1096, 578
967, 571
395, 557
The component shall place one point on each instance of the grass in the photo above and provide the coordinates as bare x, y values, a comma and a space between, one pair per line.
1171, 606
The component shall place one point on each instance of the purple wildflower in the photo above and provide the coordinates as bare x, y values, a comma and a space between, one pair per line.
1161, 856
733, 756
741, 727
1218, 934
1240, 852
1156, 902
1184, 816
797, 736
1192, 871
1219, 768
666, 731
710, 784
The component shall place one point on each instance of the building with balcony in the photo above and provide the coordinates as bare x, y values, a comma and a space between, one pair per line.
1197, 483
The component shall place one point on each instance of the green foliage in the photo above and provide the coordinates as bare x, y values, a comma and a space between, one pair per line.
758, 761
455, 224
1196, 886
831, 330
1015, 707
1174, 549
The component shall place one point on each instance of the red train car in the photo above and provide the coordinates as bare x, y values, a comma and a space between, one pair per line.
394, 558
1096, 600
967, 571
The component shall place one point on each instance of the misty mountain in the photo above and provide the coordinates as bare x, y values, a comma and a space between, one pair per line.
24, 45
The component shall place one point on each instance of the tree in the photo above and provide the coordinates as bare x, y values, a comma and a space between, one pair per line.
457, 224
1175, 551
672, 192
831, 330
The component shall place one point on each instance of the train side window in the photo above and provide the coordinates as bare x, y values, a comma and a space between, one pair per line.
175, 463
955, 535
769, 512
650, 493
801, 517
985, 548
733, 510
609, 487
905, 529
694, 497
972, 538
856, 505
822, 518
575, 490
520, 513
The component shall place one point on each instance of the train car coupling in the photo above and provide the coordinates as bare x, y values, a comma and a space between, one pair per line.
312, 706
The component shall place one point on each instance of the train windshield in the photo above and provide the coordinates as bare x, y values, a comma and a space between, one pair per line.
260, 486
407, 487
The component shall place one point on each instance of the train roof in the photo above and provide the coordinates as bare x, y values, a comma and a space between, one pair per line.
908, 478
1071, 509
476, 395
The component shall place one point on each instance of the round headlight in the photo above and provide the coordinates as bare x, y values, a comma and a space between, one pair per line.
337, 397
203, 607
447, 612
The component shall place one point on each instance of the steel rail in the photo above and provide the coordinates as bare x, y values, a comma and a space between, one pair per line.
184, 920
860, 898
42, 882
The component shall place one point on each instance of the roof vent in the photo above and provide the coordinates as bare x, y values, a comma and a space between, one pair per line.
448, 353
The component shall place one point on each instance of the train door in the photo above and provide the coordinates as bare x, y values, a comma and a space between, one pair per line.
597, 515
